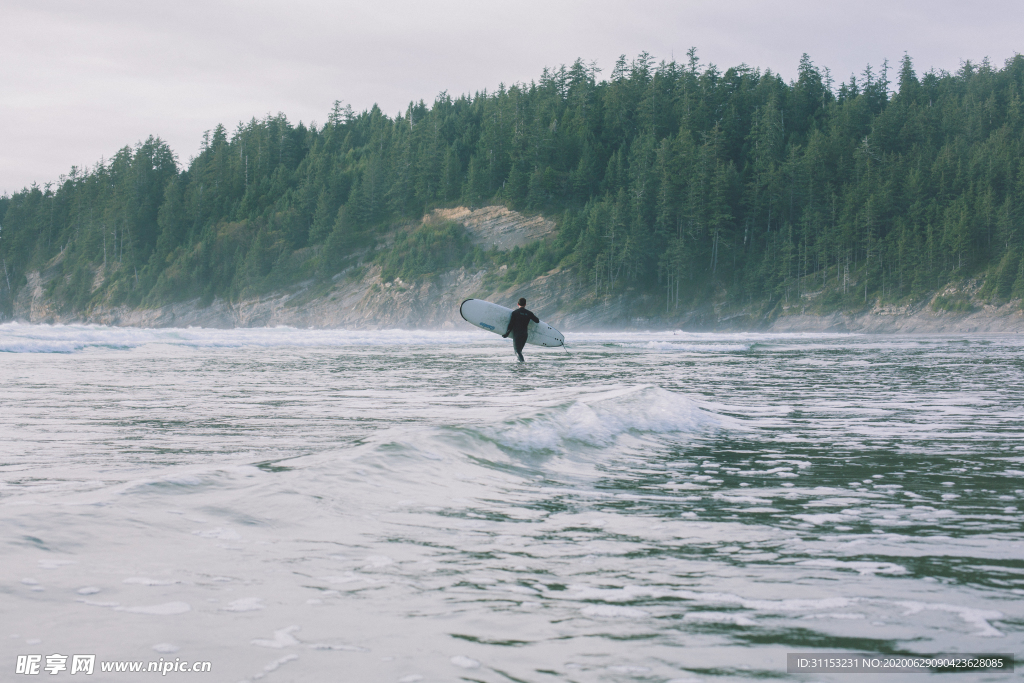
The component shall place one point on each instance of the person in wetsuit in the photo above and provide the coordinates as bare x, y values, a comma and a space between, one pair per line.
518, 327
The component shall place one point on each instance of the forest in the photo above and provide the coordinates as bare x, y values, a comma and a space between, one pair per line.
676, 181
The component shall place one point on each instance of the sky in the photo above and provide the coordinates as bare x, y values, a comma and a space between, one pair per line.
80, 79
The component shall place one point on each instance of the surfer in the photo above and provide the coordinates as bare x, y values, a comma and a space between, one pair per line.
518, 327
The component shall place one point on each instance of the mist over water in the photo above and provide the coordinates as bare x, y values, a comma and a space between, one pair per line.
301, 505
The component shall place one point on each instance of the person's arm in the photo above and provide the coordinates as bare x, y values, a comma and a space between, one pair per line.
534, 318
508, 330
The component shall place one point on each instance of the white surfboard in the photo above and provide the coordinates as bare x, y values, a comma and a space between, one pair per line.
494, 318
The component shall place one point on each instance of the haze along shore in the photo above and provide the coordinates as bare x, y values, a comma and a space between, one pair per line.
360, 297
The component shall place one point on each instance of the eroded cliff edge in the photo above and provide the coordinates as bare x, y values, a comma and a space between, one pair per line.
359, 297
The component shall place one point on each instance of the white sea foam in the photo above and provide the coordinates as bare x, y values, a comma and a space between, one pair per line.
163, 609
681, 336
862, 568
598, 420
465, 662
630, 670
718, 618
245, 605
23, 338
752, 500
166, 648
689, 348
826, 518
613, 612
145, 581
274, 666
978, 618
219, 533
18, 337
624, 594
282, 638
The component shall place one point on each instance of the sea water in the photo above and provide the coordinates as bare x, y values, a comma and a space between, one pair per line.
331, 505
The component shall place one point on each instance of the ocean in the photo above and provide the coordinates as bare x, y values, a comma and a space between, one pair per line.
408, 505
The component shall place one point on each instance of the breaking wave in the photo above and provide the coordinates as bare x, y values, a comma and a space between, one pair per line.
22, 338
600, 419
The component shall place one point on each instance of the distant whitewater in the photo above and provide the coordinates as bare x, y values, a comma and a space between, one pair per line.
18, 337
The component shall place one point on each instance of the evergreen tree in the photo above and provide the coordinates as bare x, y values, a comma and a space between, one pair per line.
680, 182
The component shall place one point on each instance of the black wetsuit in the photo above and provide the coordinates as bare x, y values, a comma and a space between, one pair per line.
518, 327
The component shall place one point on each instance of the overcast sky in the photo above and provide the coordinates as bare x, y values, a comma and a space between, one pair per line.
80, 79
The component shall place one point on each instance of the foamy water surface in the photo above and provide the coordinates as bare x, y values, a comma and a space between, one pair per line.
303, 505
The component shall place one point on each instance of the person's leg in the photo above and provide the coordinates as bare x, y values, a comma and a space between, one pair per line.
518, 345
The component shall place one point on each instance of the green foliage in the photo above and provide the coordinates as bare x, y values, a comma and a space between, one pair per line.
1017, 291
426, 251
952, 304
523, 264
678, 181
999, 285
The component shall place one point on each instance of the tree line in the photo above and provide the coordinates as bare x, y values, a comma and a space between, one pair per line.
677, 181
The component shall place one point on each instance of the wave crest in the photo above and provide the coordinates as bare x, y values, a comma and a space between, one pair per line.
601, 419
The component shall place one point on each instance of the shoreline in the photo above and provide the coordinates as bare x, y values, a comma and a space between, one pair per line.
365, 301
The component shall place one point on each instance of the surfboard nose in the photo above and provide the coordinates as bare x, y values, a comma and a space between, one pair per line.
461, 312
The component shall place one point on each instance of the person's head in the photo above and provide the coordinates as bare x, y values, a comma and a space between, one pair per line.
522, 302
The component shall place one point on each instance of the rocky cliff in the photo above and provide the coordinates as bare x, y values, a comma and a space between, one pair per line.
359, 298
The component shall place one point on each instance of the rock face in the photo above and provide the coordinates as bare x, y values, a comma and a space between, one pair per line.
360, 298
365, 302
495, 227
